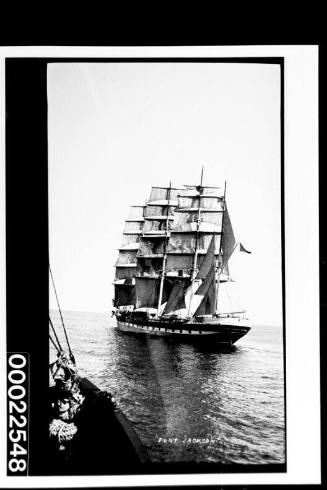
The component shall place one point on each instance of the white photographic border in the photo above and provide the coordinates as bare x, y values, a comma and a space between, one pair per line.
301, 209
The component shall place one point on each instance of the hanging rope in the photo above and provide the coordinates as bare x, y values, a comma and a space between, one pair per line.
55, 334
62, 320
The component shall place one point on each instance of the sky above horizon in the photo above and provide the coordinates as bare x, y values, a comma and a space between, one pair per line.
116, 129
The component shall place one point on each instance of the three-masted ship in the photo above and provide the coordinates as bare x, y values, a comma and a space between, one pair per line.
172, 272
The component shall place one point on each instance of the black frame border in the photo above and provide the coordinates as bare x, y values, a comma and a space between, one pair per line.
27, 239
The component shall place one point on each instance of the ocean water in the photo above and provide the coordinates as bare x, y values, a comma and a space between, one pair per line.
187, 402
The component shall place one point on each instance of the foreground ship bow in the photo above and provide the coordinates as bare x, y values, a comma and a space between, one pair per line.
172, 273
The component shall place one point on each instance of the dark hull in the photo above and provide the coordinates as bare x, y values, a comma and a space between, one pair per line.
225, 333
105, 443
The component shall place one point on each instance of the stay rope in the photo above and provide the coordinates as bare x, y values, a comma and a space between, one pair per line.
54, 344
62, 320
55, 334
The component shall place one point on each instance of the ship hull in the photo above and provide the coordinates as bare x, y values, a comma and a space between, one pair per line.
224, 333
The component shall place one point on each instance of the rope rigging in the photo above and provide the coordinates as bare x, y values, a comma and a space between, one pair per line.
54, 344
62, 320
55, 334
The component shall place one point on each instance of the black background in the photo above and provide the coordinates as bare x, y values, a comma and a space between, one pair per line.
27, 237
27, 248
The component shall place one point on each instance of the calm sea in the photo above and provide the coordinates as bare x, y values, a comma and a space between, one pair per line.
188, 402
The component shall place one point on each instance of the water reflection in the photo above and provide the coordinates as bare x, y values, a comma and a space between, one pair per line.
229, 405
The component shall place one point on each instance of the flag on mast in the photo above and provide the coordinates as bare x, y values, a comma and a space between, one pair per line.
243, 249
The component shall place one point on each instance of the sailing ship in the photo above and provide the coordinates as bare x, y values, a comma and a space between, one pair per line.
172, 272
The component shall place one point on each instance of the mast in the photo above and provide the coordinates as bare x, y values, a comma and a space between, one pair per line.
195, 260
154, 245
164, 260
218, 268
197, 230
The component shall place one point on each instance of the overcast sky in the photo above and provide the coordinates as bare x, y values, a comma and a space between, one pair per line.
116, 129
